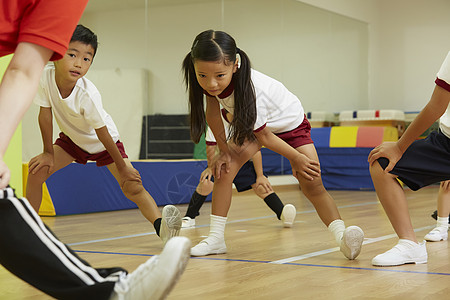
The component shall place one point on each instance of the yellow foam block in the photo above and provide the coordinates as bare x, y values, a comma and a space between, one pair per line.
47, 208
390, 134
344, 137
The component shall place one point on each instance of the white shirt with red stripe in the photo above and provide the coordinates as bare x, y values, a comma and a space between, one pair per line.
443, 80
277, 108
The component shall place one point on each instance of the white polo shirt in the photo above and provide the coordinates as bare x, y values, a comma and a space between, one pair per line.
276, 107
79, 114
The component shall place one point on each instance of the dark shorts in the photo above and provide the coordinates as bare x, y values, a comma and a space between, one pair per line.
245, 177
299, 136
425, 162
102, 158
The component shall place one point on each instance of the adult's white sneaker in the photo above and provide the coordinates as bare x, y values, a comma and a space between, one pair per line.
155, 278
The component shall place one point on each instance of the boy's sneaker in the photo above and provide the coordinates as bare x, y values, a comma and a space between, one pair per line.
437, 235
351, 242
170, 223
207, 247
187, 222
155, 278
402, 254
288, 215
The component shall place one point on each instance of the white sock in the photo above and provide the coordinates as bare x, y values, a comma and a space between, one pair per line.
217, 228
337, 228
442, 223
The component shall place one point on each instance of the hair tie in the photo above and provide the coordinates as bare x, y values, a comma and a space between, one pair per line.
238, 50
238, 58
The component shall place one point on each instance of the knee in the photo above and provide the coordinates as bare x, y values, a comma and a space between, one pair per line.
205, 187
132, 189
313, 188
39, 177
261, 191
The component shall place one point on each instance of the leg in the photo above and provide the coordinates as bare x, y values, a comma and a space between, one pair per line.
203, 189
349, 239
286, 213
136, 192
393, 200
440, 232
39, 248
35, 181
167, 224
215, 242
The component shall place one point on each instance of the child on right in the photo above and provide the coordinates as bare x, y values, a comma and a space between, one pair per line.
250, 176
417, 163
440, 232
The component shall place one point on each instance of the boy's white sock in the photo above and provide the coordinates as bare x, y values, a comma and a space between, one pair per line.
337, 228
217, 228
442, 223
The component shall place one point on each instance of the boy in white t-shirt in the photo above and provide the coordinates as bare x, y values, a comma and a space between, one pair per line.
417, 163
87, 133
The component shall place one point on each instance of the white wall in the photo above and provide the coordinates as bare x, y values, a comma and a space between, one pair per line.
408, 42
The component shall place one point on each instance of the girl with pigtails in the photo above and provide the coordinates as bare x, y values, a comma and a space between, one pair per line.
263, 113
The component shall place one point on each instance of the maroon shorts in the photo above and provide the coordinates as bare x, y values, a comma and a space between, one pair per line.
299, 136
47, 23
102, 158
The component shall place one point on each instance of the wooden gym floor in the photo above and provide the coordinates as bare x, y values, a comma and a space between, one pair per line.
265, 260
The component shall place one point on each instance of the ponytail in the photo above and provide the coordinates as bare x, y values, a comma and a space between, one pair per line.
196, 106
244, 103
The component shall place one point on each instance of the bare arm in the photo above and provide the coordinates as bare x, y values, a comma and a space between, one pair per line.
126, 172
214, 120
393, 151
45, 159
261, 180
24, 70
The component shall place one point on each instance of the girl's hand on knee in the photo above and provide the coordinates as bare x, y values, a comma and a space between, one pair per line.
206, 175
221, 164
38, 162
305, 167
445, 186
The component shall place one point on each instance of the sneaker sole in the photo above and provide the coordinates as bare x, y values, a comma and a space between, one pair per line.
422, 260
288, 215
174, 258
170, 223
352, 242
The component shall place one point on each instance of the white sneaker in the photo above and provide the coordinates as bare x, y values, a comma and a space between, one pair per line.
155, 278
402, 254
352, 241
436, 235
187, 222
288, 215
170, 223
207, 247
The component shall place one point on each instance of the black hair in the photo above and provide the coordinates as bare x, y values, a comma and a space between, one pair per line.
213, 45
86, 36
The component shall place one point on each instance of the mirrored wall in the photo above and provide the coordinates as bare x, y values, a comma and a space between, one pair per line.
322, 57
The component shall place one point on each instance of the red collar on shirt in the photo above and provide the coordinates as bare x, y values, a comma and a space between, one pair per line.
226, 92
